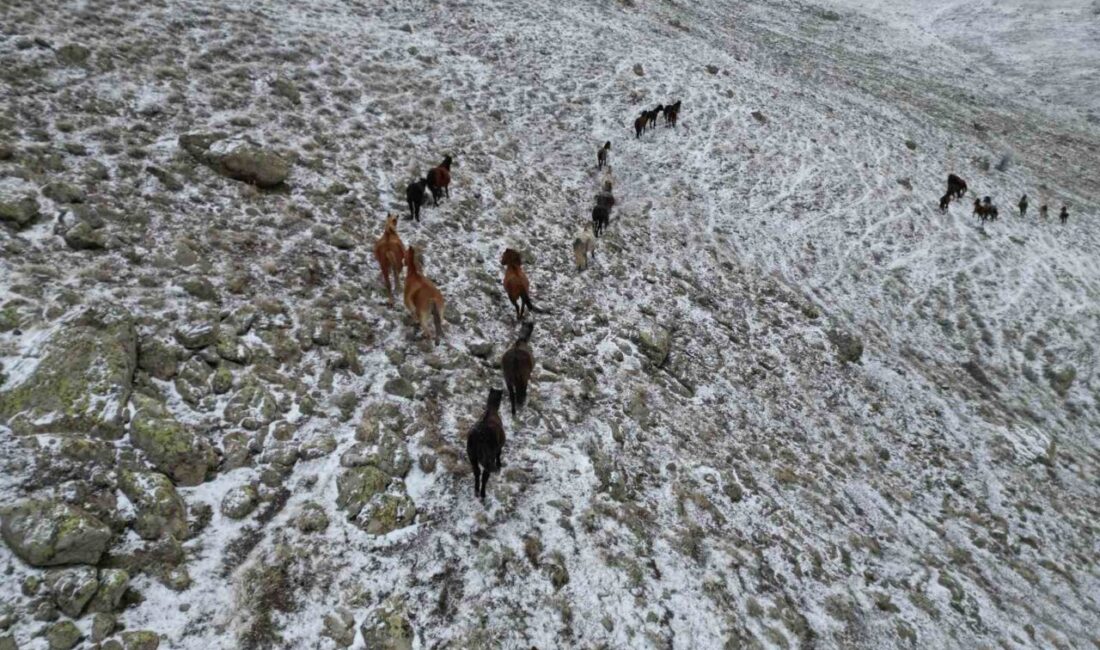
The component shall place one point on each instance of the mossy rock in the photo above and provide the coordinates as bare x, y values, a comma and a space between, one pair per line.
252, 406
63, 635
47, 533
357, 486
160, 510
170, 446
72, 588
158, 358
388, 627
140, 640
259, 167
112, 584
83, 381
386, 513
20, 212
239, 502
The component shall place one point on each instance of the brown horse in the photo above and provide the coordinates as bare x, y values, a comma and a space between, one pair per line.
516, 284
389, 251
639, 125
601, 155
956, 187
672, 113
422, 298
485, 443
517, 364
985, 211
439, 180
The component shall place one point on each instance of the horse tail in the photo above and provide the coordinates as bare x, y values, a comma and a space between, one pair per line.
438, 318
526, 298
521, 394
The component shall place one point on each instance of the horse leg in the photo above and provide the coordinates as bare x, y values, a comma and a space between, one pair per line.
386, 282
477, 476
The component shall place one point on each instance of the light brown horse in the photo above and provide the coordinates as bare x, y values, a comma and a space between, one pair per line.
389, 251
516, 284
422, 298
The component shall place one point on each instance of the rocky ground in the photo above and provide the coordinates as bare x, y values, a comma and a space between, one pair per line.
790, 405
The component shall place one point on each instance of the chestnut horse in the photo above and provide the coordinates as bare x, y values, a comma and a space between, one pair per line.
516, 284
439, 180
389, 251
422, 298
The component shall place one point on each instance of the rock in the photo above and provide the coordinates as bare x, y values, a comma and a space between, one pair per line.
480, 350
911, 145
198, 144
222, 381
171, 447
167, 179
386, 513
357, 486
1004, 162
62, 192
239, 502
73, 54
388, 627
140, 640
72, 588
759, 117
242, 319
230, 348
655, 344
103, 625
286, 89
18, 211
713, 69
195, 336
200, 288
1061, 378
318, 447
47, 533
340, 627
157, 358
380, 446
160, 510
400, 387
342, 239
112, 585
312, 518
638, 69
193, 381
8, 643
252, 406
253, 165
83, 381
83, 237
849, 347
63, 635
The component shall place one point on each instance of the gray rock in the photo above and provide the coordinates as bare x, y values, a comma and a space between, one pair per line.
171, 447
195, 336
103, 625
63, 635
340, 627
200, 288
83, 381
169, 181
112, 584
239, 502
312, 518
18, 211
284, 88
160, 510
73, 54
140, 640
47, 533
388, 627
72, 588
357, 486
230, 348
400, 387
480, 350
318, 446
386, 513
759, 117
158, 358
342, 239
849, 347
1061, 378
259, 167
62, 192
252, 406
638, 69
84, 237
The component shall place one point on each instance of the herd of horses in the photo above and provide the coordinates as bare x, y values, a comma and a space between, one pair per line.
984, 208
648, 119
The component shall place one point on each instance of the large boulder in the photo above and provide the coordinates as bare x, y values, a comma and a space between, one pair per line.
85, 237
171, 447
47, 533
252, 406
112, 584
82, 381
18, 211
254, 165
357, 486
158, 358
72, 588
386, 513
160, 510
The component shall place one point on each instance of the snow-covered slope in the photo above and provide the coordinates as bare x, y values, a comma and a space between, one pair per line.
697, 467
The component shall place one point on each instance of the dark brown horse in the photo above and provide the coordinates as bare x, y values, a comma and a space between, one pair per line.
485, 443
517, 364
639, 125
672, 114
956, 187
439, 180
601, 155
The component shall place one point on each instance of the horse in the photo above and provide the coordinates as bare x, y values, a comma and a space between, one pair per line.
639, 125
439, 180
945, 201
672, 113
389, 251
956, 187
1063, 216
1043, 211
601, 155
1023, 205
422, 298
584, 245
516, 284
986, 211
605, 198
517, 364
651, 116
416, 197
485, 443
601, 216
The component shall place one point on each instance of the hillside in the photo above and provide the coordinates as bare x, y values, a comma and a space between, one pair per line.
791, 404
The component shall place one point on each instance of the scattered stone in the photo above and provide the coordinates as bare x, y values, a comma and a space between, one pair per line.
340, 627
171, 447
713, 69
638, 69
47, 533
112, 585
103, 625
342, 239
20, 212
357, 486
170, 182
912, 145
200, 288
480, 350
160, 510
230, 348
195, 336
262, 168
318, 446
140, 640
82, 383
386, 513
239, 502
73, 54
849, 347
61, 192
158, 359
1061, 378
759, 117
388, 627
72, 588
84, 237
400, 387
284, 88
312, 518
63, 635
